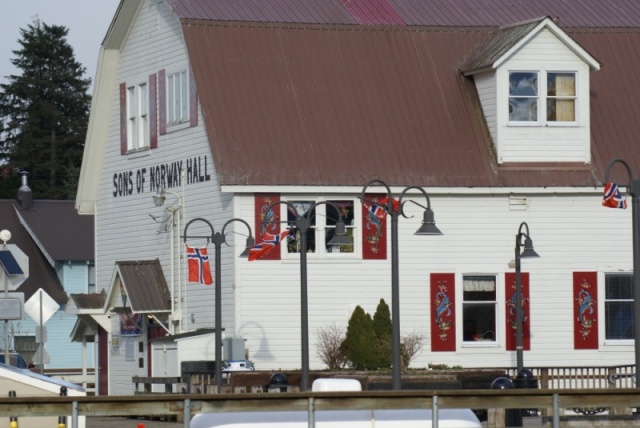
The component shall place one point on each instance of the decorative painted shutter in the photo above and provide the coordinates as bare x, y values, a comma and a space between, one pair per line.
153, 112
443, 312
162, 101
374, 230
585, 310
263, 213
510, 310
193, 100
123, 118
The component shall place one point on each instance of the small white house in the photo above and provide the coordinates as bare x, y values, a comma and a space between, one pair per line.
259, 113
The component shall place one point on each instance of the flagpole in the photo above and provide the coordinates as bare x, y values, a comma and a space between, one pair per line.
217, 239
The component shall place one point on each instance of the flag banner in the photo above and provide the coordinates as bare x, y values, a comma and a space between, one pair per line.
267, 219
374, 223
612, 197
510, 310
443, 312
269, 242
585, 310
198, 264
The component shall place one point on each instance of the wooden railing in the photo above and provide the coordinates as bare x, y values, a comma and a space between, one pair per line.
582, 377
174, 405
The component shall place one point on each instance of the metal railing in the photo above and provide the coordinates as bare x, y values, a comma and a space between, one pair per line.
186, 405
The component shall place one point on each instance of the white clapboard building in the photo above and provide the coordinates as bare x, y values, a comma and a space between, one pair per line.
267, 111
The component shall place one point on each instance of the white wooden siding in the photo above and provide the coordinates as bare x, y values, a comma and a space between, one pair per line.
486, 87
125, 230
569, 232
537, 143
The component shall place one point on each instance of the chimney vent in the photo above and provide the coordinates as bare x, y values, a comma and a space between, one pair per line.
25, 197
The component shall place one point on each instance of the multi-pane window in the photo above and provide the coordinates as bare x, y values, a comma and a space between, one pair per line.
532, 97
137, 114
479, 307
618, 306
523, 97
177, 98
561, 97
323, 219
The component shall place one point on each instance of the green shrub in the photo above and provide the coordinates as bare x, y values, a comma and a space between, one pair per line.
361, 341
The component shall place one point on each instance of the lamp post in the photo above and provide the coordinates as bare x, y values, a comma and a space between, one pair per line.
302, 223
176, 214
634, 191
218, 238
528, 251
428, 228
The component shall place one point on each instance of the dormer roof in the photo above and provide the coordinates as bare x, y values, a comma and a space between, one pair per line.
509, 39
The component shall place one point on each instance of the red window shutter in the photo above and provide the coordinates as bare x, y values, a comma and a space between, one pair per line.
162, 102
585, 310
193, 100
443, 312
510, 304
374, 230
123, 118
263, 213
153, 112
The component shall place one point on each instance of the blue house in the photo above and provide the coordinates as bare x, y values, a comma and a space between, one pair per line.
59, 245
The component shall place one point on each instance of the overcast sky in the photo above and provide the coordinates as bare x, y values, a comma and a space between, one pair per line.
86, 20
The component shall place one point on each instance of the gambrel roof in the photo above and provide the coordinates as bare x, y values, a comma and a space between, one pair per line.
334, 92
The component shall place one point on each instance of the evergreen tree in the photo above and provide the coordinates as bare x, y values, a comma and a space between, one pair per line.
382, 327
44, 112
361, 341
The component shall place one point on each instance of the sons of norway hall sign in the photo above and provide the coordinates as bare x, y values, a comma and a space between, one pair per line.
162, 176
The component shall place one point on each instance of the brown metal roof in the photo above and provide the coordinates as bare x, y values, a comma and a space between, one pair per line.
440, 13
62, 232
329, 104
41, 273
89, 300
145, 285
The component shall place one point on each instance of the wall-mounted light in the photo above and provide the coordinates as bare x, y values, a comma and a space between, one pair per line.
159, 197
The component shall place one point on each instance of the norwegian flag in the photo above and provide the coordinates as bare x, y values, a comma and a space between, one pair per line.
612, 197
376, 210
379, 209
269, 242
198, 264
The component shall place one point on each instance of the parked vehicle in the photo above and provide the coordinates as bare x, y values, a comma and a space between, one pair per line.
237, 366
16, 360
402, 418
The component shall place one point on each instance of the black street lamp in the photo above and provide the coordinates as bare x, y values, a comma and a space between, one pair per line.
634, 190
428, 228
528, 251
218, 238
303, 224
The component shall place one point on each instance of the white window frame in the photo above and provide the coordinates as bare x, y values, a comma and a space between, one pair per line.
320, 228
498, 336
138, 116
603, 309
177, 97
542, 98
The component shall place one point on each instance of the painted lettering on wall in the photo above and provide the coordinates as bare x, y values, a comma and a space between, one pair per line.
165, 176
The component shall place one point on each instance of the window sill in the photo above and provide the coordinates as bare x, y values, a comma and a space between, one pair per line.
178, 126
481, 344
135, 153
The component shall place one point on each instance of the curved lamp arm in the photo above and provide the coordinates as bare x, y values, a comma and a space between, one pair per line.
528, 243
613, 162
208, 238
250, 241
388, 207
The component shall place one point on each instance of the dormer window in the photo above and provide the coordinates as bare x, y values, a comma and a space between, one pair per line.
532, 98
